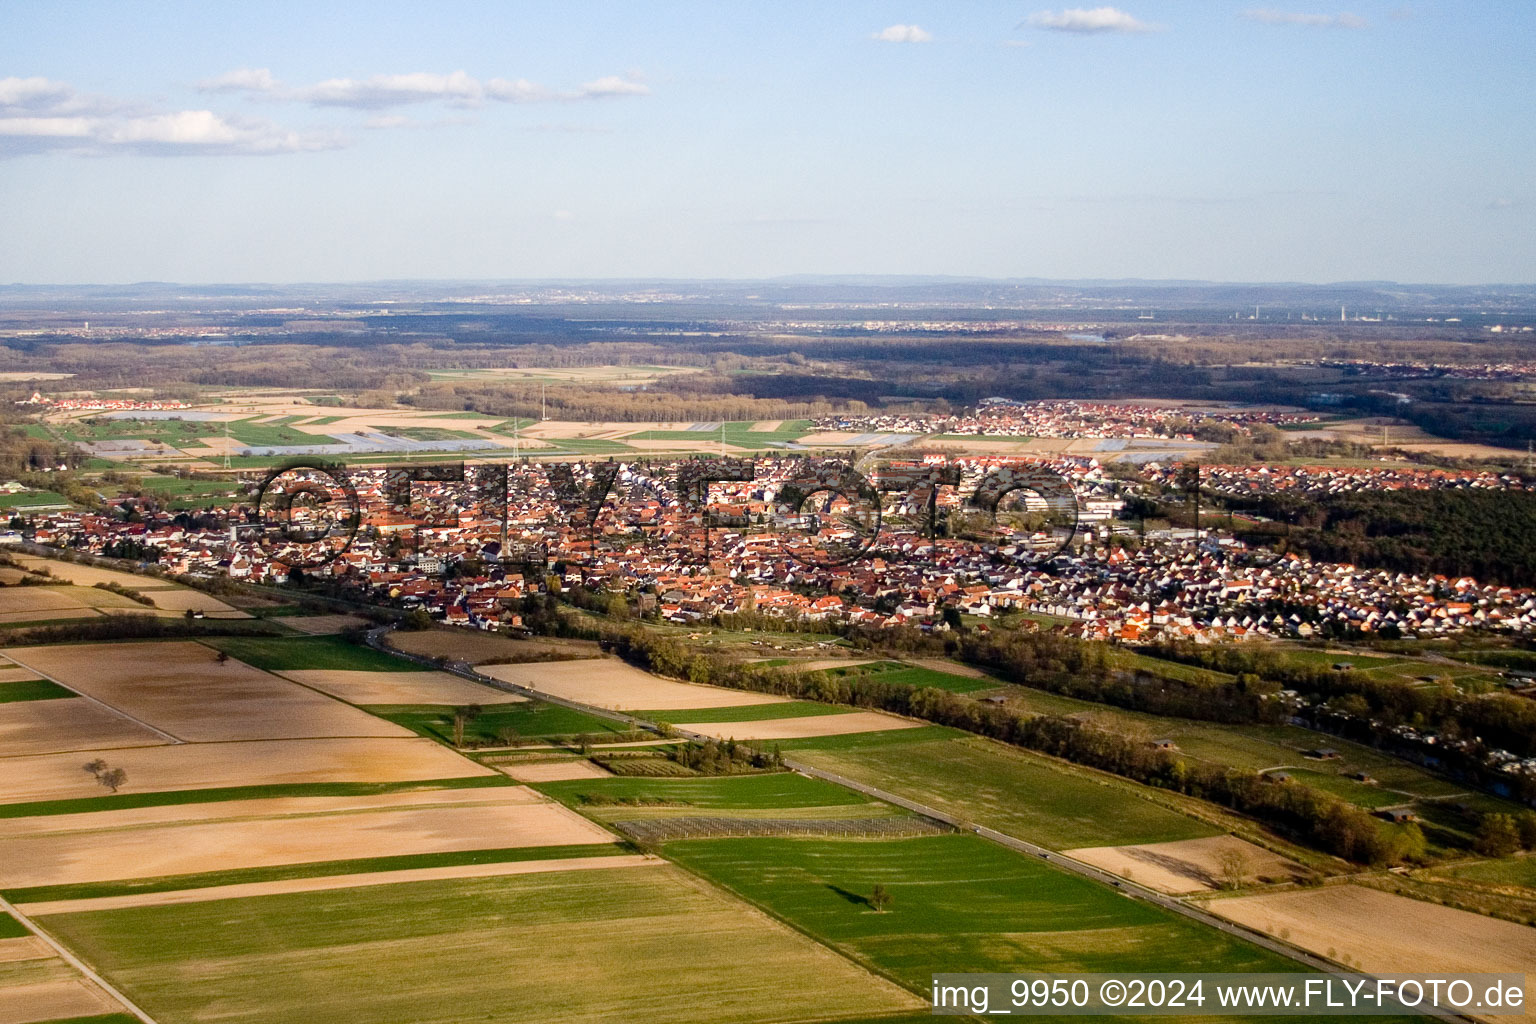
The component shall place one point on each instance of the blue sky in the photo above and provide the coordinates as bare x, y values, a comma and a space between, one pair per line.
1225, 141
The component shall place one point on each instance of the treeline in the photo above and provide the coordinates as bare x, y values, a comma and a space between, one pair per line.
1485, 534
1317, 817
134, 627
724, 757
1494, 720
1084, 670
604, 403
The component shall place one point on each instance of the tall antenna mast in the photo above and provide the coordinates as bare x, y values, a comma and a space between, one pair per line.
542, 415
226, 444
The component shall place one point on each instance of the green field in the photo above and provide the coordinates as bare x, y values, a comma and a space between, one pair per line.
1519, 871
1012, 791
960, 903
1258, 747
530, 718
10, 928
620, 945
911, 675
1396, 668
180, 432
872, 740
737, 432
745, 713
32, 689
774, 790
23, 500
281, 654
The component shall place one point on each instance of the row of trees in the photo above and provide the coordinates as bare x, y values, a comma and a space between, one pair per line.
1499, 719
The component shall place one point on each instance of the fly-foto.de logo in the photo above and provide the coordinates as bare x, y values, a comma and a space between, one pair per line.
814, 511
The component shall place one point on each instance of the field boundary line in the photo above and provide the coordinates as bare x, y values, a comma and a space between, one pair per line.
75, 962
98, 701
326, 883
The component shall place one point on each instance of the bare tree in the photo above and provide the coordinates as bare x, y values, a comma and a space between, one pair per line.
1232, 863
459, 718
113, 779
223, 658
880, 898
96, 767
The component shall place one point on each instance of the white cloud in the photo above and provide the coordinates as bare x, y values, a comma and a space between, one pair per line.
171, 133
903, 34
46, 127
33, 93
457, 88
240, 80
1270, 16
388, 121
611, 85
393, 90
1085, 20
44, 97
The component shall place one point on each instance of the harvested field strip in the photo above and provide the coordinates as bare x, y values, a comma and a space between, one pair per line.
248, 889
24, 898
384, 688
65, 998
15, 673
33, 689
180, 688
505, 818
610, 683
177, 797
51, 726
1191, 865
555, 771
44, 777
1384, 933
745, 713
106, 821
584, 946
796, 728
666, 829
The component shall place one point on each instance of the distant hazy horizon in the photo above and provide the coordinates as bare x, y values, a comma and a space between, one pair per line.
1338, 142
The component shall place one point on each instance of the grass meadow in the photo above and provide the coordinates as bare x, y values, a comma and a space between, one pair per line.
617, 945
